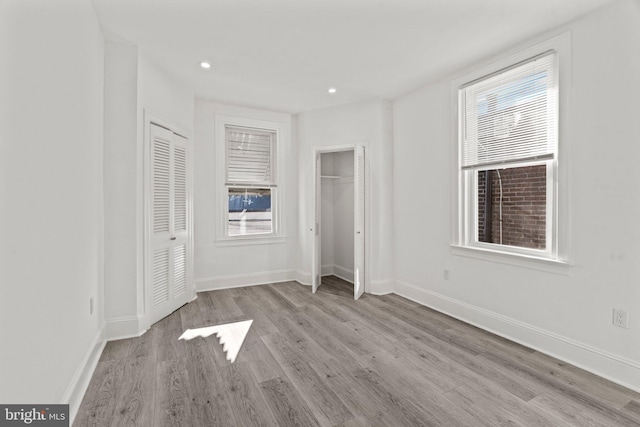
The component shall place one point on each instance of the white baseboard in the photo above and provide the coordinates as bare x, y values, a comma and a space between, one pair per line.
327, 270
380, 287
241, 280
610, 366
343, 273
124, 327
303, 278
375, 287
80, 381
336, 270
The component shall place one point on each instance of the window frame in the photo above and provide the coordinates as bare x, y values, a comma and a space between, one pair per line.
274, 197
472, 215
465, 225
223, 238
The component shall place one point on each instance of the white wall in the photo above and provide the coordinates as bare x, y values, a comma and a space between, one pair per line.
367, 124
134, 86
121, 161
164, 95
220, 265
51, 130
343, 219
327, 232
568, 314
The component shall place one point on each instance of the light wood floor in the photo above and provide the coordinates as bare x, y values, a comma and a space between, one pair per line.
326, 360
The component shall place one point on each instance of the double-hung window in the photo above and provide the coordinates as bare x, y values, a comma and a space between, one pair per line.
250, 181
508, 146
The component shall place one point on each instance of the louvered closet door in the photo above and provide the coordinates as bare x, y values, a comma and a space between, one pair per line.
169, 253
316, 277
359, 223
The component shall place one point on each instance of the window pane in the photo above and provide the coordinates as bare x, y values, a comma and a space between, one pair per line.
510, 116
249, 156
512, 206
249, 211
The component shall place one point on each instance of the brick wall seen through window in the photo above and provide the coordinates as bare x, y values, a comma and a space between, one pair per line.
524, 195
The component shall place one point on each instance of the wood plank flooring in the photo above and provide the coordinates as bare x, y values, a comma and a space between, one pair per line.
326, 360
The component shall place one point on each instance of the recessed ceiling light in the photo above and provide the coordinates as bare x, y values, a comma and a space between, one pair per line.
332, 90
205, 65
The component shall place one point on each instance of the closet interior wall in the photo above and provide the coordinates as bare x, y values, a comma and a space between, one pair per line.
337, 216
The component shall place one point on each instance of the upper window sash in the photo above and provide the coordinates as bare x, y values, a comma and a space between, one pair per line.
250, 157
510, 116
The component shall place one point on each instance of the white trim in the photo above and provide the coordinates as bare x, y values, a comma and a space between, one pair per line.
336, 148
462, 231
343, 273
241, 280
82, 377
376, 287
125, 327
327, 270
604, 364
250, 240
340, 272
282, 145
381, 287
303, 278
515, 259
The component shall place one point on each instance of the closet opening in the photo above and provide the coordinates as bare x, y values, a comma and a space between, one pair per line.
339, 218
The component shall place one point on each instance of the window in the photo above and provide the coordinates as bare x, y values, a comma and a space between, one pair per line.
250, 181
249, 211
508, 145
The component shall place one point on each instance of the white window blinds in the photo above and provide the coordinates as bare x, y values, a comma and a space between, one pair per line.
510, 116
250, 156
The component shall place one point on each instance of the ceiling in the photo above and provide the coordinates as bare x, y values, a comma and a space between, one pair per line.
284, 55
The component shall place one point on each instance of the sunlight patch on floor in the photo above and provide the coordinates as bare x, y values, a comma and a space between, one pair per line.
230, 335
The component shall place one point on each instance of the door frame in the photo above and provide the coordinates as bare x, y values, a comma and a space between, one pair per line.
144, 249
318, 150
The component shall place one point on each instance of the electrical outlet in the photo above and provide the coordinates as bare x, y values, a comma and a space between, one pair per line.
90, 306
620, 318
446, 274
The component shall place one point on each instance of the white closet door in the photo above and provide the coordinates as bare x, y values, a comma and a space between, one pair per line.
316, 276
359, 222
169, 253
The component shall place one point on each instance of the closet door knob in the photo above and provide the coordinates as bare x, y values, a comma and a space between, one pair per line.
173, 238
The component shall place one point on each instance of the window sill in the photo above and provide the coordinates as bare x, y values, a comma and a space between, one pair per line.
250, 241
518, 260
